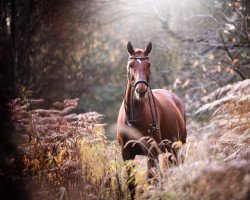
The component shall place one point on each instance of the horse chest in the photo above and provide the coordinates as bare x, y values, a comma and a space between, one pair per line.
143, 119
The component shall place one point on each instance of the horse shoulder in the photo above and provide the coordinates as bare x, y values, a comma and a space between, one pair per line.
165, 94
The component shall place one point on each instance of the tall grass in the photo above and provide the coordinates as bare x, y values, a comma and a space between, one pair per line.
67, 156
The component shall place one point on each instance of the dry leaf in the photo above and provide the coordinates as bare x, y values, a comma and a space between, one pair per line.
177, 81
235, 61
211, 57
237, 4
204, 68
186, 83
218, 68
204, 99
196, 63
204, 90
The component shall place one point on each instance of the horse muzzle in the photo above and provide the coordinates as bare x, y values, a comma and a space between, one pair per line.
141, 89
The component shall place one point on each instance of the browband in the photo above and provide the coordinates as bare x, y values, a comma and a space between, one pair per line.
139, 57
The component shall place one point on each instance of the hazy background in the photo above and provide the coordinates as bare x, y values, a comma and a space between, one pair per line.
77, 48
54, 50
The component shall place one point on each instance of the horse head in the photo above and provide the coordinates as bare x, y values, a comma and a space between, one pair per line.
138, 70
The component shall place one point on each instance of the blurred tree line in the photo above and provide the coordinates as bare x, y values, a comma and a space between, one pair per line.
76, 48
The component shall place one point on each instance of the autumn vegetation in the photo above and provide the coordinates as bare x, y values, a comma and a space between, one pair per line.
66, 155
62, 80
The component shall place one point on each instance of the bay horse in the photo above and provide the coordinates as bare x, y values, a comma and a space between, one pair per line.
158, 114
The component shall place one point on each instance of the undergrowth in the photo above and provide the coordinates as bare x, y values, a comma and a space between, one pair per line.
64, 154
67, 156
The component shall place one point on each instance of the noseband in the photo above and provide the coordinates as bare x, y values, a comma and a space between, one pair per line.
132, 122
141, 81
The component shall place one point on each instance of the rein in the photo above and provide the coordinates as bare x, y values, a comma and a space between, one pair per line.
132, 122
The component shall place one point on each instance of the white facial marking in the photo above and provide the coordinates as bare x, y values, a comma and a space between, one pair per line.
139, 60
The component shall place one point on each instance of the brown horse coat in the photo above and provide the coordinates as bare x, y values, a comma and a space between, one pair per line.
171, 115
169, 109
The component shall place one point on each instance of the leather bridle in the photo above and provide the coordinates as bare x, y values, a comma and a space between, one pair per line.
129, 76
138, 57
131, 122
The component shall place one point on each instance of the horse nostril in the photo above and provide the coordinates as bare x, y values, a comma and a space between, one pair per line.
141, 91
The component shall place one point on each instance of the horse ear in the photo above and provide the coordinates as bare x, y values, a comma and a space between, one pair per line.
148, 49
130, 48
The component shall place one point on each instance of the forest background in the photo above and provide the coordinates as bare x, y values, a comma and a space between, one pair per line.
66, 49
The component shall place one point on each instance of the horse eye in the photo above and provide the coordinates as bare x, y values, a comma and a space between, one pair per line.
131, 66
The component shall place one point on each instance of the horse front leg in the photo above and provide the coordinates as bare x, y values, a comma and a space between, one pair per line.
152, 170
130, 170
152, 159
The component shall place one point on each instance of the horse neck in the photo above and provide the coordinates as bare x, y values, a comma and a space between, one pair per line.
128, 95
